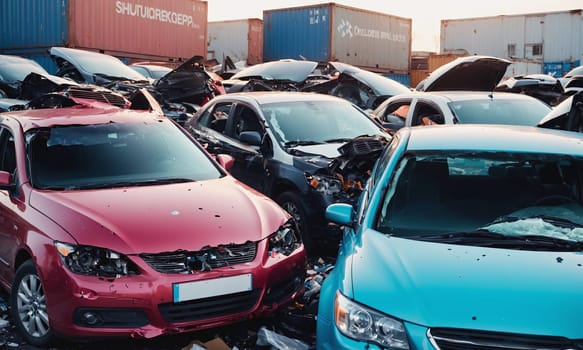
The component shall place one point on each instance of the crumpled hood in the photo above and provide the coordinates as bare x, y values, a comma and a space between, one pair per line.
328, 150
456, 286
153, 219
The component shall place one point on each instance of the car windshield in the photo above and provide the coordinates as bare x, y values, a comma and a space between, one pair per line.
17, 71
296, 71
114, 155
500, 111
303, 122
95, 63
446, 195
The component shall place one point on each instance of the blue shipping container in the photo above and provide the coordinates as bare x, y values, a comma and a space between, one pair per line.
330, 32
404, 79
27, 24
558, 69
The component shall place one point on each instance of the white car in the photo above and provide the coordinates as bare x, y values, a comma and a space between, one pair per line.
462, 92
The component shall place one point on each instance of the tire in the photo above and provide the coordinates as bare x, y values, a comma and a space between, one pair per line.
291, 202
29, 308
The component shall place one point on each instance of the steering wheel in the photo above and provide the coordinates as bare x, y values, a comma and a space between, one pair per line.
554, 199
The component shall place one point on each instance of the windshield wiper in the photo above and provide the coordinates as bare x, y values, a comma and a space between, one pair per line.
485, 238
133, 183
340, 139
301, 143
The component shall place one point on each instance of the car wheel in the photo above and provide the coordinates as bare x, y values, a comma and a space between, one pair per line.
291, 202
28, 304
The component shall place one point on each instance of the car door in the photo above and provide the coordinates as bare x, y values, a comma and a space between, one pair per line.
250, 161
9, 222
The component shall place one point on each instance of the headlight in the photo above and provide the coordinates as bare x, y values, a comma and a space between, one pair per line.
324, 184
285, 240
361, 323
93, 261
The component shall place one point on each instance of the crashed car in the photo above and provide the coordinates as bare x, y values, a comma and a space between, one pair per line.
13, 70
462, 92
568, 115
465, 237
122, 225
180, 92
149, 70
31, 87
304, 150
542, 86
361, 87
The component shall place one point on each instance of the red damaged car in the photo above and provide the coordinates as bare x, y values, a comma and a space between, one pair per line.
117, 223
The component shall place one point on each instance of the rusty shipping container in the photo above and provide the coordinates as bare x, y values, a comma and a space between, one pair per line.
152, 29
241, 40
330, 32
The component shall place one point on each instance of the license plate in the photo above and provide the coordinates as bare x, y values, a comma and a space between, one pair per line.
211, 287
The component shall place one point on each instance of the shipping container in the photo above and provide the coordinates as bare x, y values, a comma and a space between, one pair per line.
435, 61
241, 40
148, 29
545, 37
330, 32
417, 75
558, 69
523, 67
404, 79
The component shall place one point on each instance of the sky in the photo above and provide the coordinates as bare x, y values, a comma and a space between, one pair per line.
425, 14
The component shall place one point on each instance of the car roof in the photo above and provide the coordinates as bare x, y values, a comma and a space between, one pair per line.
82, 115
466, 95
494, 138
267, 97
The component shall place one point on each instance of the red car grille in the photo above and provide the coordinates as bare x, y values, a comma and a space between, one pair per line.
202, 260
209, 307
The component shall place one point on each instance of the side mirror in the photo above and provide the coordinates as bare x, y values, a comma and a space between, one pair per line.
340, 213
225, 160
252, 138
6, 180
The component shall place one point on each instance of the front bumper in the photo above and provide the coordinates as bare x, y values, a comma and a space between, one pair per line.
143, 305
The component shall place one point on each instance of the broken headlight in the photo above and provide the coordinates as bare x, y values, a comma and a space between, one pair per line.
324, 184
361, 323
285, 240
94, 261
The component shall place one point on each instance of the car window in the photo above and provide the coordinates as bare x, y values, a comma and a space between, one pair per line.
500, 111
114, 154
216, 116
142, 71
244, 119
7, 152
426, 114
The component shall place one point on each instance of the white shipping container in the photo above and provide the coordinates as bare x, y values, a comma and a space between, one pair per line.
545, 37
241, 40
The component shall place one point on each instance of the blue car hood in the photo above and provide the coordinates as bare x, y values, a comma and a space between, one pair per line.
444, 285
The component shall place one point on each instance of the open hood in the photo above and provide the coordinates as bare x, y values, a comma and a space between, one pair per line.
471, 73
541, 86
189, 82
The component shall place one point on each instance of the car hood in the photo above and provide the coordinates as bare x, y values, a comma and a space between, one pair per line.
455, 286
292, 70
472, 73
166, 218
188, 79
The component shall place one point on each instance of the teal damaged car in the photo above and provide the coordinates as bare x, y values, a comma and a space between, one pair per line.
465, 237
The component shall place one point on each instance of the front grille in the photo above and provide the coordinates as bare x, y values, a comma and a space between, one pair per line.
460, 339
206, 308
202, 260
104, 96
